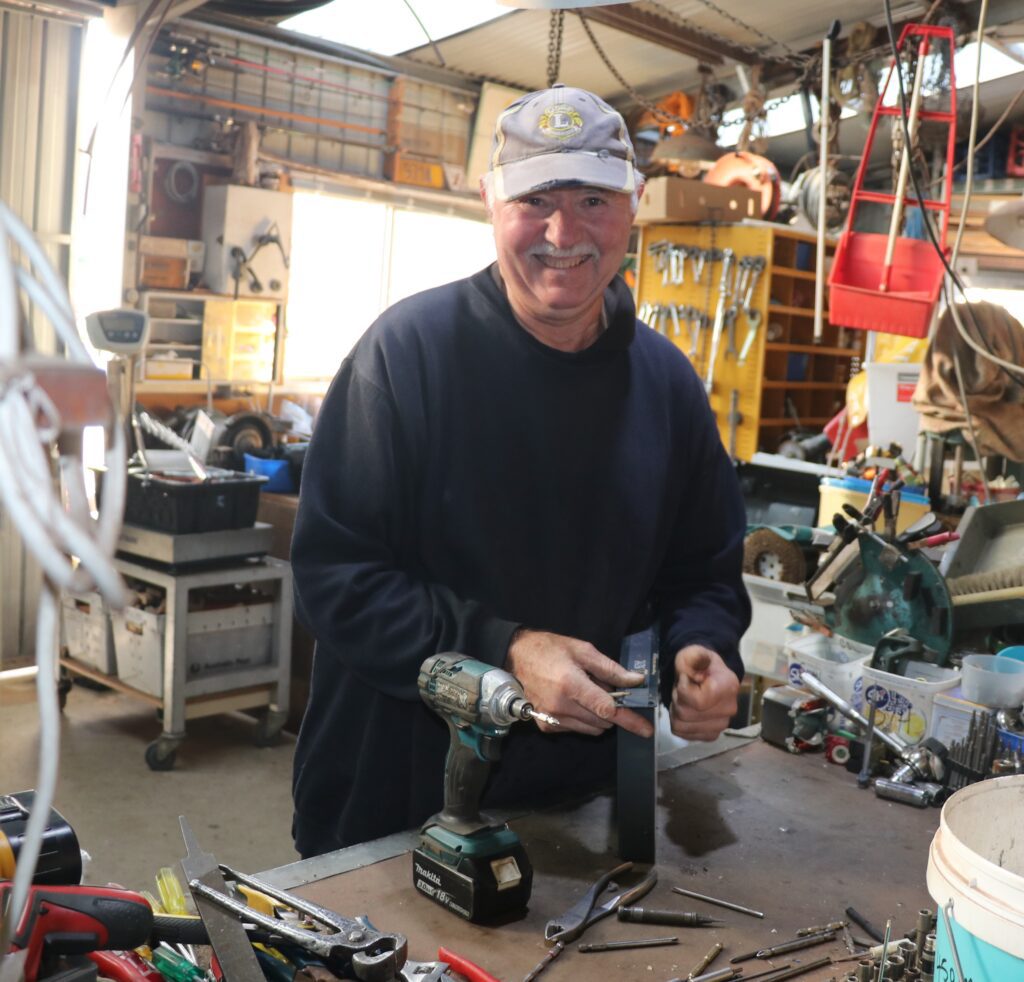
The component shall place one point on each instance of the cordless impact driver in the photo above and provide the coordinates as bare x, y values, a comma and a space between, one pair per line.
467, 862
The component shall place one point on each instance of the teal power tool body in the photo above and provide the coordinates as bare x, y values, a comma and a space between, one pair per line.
470, 863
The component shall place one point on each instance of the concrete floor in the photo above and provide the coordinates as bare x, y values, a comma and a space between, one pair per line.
236, 797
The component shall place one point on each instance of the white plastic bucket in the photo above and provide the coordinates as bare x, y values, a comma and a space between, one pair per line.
977, 859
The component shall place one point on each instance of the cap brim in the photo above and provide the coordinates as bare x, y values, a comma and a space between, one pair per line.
519, 177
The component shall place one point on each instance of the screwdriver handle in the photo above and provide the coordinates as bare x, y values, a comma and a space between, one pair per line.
652, 915
74, 920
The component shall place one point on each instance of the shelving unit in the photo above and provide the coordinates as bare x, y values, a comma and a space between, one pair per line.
787, 380
199, 337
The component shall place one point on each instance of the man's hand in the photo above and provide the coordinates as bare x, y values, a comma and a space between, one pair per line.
704, 697
571, 679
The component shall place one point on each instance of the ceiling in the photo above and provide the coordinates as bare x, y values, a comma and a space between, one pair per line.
656, 45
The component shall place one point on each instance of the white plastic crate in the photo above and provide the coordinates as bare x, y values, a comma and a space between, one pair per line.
836, 661
906, 704
218, 641
763, 646
85, 630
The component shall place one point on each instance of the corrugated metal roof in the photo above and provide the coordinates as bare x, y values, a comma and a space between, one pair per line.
513, 49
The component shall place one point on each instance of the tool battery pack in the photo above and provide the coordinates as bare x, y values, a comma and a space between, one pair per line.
482, 877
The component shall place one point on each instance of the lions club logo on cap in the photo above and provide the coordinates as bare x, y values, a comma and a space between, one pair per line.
561, 122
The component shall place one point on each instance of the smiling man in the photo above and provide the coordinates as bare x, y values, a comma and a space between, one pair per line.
513, 467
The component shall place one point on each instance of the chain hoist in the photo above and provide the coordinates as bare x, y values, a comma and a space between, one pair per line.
555, 45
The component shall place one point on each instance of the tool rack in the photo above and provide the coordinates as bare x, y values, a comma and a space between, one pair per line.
786, 379
183, 698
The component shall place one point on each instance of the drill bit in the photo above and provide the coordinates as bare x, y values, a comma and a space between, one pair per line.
702, 965
552, 954
717, 903
615, 945
528, 712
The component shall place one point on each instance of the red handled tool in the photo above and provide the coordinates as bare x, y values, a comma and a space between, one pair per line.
75, 920
473, 972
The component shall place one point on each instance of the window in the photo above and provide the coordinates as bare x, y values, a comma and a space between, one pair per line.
352, 258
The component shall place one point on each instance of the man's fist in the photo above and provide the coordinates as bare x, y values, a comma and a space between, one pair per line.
704, 696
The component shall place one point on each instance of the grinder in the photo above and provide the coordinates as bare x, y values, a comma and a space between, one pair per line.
467, 862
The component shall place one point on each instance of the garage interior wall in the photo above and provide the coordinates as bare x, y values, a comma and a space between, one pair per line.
39, 69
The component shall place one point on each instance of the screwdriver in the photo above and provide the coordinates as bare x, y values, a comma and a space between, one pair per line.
173, 966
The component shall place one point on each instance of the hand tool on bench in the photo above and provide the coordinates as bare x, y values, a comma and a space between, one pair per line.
74, 920
468, 862
342, 943
590, 908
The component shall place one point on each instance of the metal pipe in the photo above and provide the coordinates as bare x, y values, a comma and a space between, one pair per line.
718, 903
901, 182
824, 112
820, 689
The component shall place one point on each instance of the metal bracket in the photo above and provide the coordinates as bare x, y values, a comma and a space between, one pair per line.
637, 767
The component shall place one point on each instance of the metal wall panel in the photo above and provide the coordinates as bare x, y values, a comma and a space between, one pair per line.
39, 64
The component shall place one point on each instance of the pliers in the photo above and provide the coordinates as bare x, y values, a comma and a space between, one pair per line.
587, 911
440, 971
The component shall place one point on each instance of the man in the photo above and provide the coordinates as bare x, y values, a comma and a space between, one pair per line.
513, 467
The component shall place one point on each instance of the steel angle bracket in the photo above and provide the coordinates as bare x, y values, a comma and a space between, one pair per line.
637, 765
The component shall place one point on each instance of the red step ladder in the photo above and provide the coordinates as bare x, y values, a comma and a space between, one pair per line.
897, 297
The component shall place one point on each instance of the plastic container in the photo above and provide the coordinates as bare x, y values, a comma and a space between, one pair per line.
836, 661
835, 492
976, 859
277, 471
763, 646
994, 680
951, 715
907, 703
175, 501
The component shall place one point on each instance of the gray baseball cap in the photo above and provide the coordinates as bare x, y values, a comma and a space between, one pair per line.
560, 135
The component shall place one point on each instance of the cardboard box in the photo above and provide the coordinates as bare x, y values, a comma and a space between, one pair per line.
676, 199
891, 415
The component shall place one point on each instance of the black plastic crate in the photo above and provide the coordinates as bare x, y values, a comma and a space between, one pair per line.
176, 501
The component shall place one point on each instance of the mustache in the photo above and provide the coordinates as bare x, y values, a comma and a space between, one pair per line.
577, 251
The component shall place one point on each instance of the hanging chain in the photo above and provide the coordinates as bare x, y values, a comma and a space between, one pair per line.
651, 107
792, 57
555, 45
657, 111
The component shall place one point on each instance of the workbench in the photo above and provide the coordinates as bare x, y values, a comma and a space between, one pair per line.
791, 836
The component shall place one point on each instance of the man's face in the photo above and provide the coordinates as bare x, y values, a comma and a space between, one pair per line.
558, 250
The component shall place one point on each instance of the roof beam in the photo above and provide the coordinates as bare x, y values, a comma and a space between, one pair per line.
666, 33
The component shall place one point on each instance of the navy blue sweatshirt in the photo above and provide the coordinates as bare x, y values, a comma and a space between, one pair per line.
465, 479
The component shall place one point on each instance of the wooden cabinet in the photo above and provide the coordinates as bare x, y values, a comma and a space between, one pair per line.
787, 381
206, 338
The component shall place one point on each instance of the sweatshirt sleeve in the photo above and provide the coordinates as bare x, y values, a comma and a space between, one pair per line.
699, 594
357, 587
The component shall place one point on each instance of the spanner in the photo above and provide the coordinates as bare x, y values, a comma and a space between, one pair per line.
716, 329
754, 320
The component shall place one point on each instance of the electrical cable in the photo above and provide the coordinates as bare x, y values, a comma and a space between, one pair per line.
51, 514
1008, 367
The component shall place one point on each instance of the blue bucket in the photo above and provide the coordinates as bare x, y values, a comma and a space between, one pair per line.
976, 860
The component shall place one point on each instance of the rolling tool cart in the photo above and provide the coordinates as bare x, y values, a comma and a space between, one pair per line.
193, 654
210, 629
